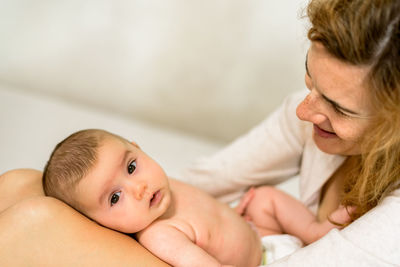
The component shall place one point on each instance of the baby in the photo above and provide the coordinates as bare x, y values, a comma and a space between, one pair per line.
113, 182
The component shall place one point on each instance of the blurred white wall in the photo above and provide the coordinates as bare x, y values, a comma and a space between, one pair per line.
209, 67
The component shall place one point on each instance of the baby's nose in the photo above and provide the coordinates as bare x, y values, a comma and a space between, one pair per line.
140, 190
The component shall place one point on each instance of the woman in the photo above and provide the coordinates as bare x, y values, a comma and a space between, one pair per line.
345, 141
345, 148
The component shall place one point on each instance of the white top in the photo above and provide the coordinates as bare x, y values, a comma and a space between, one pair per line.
280, 148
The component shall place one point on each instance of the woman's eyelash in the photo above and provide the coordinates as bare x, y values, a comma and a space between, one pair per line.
338, 111
132, 167
336, 108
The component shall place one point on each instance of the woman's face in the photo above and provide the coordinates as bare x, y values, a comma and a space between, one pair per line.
337, 104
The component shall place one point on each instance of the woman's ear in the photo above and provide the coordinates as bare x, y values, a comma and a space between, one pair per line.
134, 143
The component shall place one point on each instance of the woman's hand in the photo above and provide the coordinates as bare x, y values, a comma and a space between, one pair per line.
341, 215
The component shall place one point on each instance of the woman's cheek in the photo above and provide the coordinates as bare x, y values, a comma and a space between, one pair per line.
348, 133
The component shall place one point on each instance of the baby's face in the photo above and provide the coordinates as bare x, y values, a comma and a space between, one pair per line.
125, 190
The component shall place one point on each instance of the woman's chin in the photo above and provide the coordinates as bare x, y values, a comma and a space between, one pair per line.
335, 146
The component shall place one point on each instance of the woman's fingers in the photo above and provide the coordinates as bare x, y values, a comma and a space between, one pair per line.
342, 214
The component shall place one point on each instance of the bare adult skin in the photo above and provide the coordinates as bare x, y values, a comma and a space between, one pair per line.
42, 231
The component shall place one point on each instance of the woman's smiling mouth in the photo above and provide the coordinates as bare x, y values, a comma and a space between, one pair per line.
322, 133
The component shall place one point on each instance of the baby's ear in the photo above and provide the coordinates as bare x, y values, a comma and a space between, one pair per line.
135, 144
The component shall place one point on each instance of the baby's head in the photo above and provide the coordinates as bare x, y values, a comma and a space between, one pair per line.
108, 179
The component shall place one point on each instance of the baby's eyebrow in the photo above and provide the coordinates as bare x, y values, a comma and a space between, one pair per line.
104, 190
106, 186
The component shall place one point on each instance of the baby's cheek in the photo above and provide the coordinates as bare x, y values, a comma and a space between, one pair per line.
112, 220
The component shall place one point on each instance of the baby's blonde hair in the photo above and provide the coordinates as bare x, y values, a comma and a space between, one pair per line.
69, 162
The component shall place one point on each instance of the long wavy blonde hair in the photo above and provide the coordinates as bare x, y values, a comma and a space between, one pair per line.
367, 33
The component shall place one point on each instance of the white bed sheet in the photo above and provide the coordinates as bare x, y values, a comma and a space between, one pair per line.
31, 125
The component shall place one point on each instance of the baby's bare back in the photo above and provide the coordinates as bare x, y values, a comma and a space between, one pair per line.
213, 226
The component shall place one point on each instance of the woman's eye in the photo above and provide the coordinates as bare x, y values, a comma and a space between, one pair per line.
132, 167
336, 109
114, 198
339, 112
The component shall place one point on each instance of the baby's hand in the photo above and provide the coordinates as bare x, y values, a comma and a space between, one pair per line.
342, 215
244, 202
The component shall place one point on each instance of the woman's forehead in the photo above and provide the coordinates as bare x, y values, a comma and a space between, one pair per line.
337, 80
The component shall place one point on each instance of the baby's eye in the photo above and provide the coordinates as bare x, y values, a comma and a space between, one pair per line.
132, 167
114, 198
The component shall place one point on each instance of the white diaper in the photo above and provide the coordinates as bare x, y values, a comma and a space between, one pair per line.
279, 246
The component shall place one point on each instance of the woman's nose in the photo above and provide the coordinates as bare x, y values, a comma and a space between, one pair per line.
310, 110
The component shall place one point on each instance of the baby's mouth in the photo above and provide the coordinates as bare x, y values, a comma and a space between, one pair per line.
156, 198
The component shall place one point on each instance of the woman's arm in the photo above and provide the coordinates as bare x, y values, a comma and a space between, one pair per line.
268, 154
42, 231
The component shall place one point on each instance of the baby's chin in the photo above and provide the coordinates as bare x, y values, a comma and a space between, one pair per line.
125, 226
134, 227
128, 230
166, 203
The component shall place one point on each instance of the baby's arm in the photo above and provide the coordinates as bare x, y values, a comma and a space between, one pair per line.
175, 247
275, 212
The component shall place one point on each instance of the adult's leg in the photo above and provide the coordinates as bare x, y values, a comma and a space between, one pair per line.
17, 185
42, 231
